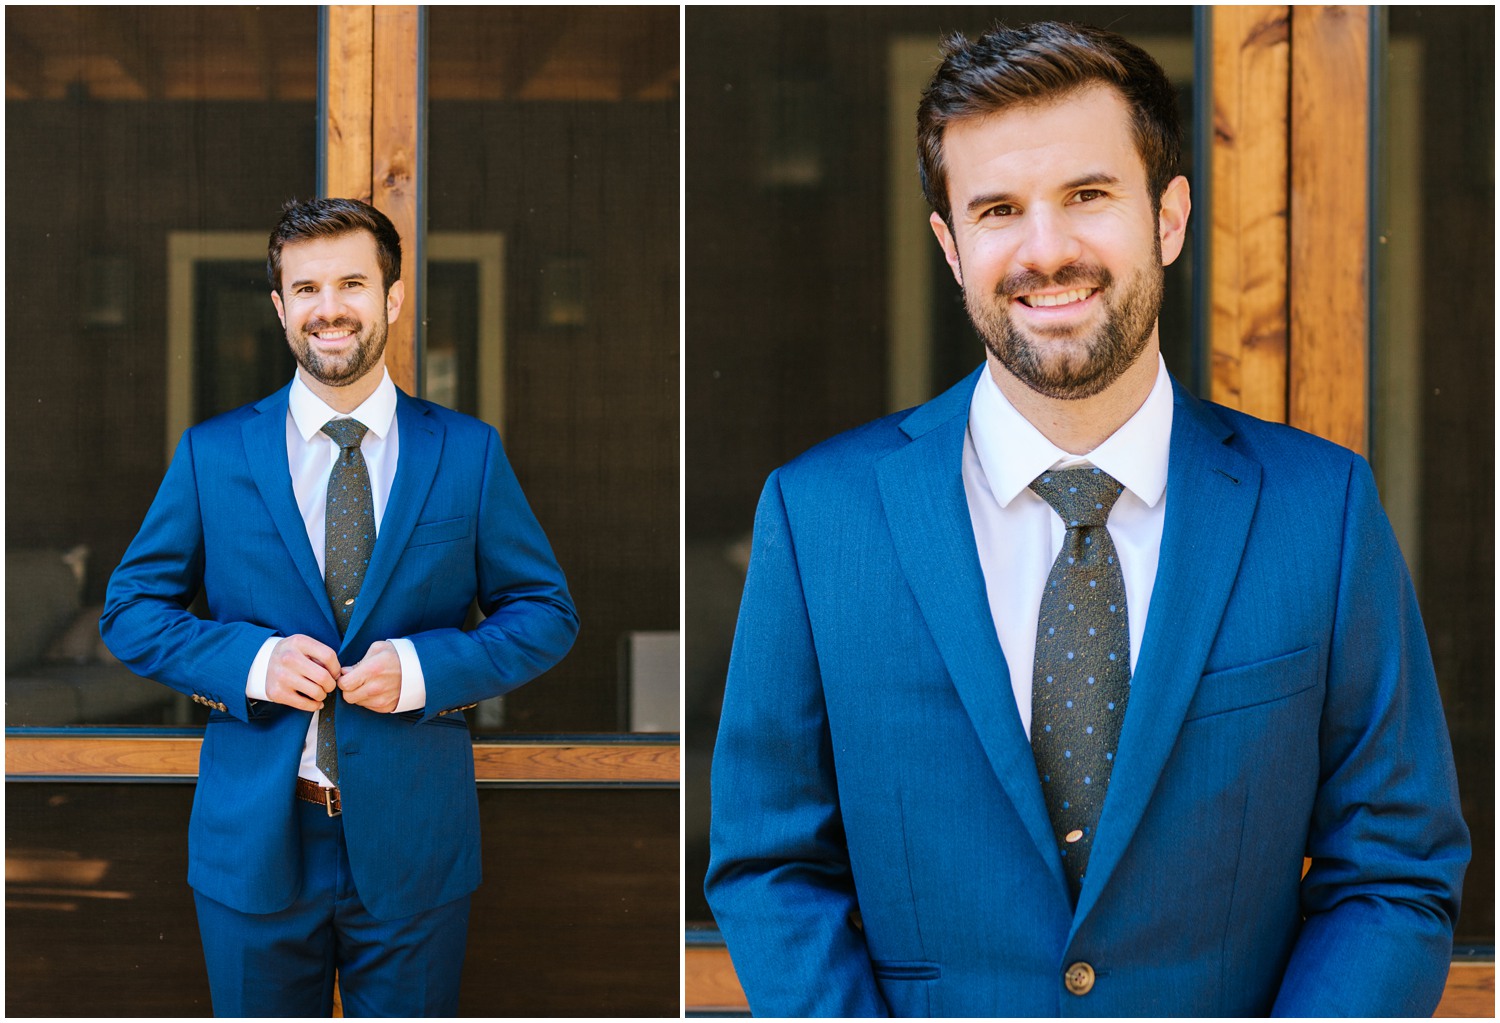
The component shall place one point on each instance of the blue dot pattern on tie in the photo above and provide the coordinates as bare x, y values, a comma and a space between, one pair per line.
348, 540
1080, 681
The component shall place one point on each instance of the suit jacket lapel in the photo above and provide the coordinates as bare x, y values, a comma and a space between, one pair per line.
1211, 496
265, 449
421, 439
921, 487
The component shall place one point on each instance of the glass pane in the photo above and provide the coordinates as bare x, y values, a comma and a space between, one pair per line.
553, 200
817, 296
1434, 363
148, 150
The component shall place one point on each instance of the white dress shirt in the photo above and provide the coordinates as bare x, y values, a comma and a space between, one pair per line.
310, 455
1019, 534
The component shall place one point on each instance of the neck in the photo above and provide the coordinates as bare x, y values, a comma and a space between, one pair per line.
1079, 426
345, 397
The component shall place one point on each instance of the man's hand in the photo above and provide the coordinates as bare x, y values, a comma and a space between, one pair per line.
375, 682
302, 672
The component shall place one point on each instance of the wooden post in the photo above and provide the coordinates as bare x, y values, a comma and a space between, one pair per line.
1248, 239
1329, 271
371, 141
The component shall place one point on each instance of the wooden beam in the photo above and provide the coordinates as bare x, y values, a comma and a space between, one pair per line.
514, 762
1329, 272
348, 103
396, 166
1248, 327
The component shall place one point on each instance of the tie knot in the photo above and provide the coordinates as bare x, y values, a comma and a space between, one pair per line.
1083, 497
346, 433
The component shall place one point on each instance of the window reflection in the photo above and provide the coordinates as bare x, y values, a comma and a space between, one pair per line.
553, 140
124, 125
1434, 367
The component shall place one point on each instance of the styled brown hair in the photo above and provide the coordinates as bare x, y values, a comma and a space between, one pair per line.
330, 218
1038, 63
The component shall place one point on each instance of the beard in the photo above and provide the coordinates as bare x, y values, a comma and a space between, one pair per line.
338, 370
1070, 363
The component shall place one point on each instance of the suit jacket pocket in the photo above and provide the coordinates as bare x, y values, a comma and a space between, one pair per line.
1250, 685
441, 531
889, 969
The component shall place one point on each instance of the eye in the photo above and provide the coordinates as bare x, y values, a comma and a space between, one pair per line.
1089, 195
1005, 209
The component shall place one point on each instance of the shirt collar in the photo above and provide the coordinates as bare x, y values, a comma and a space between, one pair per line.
1012, 452
309, 412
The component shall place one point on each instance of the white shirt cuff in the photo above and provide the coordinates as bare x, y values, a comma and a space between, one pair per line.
413, 682
255, 682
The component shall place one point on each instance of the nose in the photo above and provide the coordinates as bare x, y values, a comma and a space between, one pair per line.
329, 305
1049, 243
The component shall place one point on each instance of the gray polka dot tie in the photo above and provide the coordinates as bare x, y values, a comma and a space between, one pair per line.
1081, 673
348, 539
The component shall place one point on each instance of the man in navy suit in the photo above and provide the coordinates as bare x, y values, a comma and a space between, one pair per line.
990, 751
350, 850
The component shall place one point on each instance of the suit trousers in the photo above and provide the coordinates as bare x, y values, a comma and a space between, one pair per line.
284, 964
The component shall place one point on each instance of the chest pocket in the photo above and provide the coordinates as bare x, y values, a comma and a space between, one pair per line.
441, 531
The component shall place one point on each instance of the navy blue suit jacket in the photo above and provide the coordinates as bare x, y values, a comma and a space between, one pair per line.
456, 529
880, 843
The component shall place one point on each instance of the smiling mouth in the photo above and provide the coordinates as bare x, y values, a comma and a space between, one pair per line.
1061, 298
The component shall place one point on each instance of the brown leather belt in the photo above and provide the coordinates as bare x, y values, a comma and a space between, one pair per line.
312, 792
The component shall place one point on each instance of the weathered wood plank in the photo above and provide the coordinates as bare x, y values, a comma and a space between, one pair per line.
1329, 272
349, 103
710, 983
396, 166
504, 762
1470, 992
1248, 326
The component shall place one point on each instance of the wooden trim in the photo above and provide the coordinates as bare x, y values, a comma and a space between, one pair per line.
348, 102
529, 762
1248, 257
710, 985
372, 124
1470, 992
396, 167
1329, 272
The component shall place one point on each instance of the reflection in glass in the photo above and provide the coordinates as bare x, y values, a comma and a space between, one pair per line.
553, 139
125, 125
1433, 397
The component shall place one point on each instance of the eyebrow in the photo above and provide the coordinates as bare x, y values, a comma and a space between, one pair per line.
995, 198
356, 276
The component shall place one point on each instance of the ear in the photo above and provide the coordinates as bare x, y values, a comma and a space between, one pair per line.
393, 300
950, 247
1171, 224
280, 310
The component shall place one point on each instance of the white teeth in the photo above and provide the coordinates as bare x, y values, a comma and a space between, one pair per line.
1064, 298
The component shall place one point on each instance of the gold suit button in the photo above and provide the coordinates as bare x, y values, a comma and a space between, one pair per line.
1079, 978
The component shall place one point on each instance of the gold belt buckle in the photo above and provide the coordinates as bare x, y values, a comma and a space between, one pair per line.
328, 803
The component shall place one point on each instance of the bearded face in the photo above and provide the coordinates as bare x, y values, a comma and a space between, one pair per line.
1070, 359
